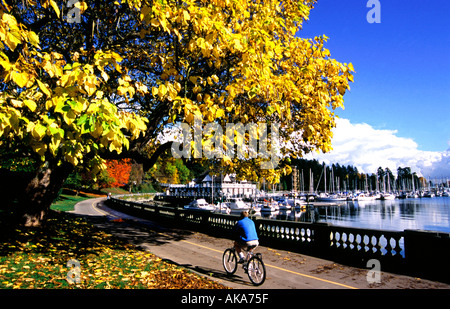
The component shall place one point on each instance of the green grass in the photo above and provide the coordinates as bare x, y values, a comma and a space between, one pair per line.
66, 202
38, 258
114, 191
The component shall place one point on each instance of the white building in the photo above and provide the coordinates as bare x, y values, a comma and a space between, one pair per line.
223, 187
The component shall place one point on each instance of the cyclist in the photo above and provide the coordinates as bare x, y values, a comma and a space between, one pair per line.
245, 235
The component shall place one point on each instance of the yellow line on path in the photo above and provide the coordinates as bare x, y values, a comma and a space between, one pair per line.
94, 203
201, 246
276, 267
311, 277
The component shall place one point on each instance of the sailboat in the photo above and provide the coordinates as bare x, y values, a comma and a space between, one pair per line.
387, 195
332, 197
366, 196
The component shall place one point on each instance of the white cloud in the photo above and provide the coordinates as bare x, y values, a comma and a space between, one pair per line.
367, 149
439, 168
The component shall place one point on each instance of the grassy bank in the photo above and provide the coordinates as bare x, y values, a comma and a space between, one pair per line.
67, 200
38, 258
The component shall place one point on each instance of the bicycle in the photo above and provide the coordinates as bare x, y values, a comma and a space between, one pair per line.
253, 264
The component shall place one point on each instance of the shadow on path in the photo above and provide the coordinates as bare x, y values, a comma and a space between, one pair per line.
214, 273
136, 231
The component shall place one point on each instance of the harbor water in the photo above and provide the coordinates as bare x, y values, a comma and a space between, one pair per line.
431, 214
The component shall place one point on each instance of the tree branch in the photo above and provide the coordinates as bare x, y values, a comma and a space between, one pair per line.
139, 157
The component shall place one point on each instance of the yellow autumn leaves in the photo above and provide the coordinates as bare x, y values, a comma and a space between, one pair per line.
254, 68
226, 61
69, 114
37, 259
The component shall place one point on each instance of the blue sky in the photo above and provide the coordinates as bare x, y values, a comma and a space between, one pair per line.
402, 79
402, 65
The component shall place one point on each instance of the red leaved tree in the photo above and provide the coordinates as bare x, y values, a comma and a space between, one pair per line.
119, 172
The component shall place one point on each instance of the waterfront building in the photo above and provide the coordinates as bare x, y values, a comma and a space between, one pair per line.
216, 186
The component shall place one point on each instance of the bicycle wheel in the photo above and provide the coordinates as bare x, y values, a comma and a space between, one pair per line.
229, 261
256, 270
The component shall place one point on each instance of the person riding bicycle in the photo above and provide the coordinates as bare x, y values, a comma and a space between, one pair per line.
245, 235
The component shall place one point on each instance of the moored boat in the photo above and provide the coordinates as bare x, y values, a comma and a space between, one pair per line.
365, 197
331, 198
269, 207
387, 196
429, 194
200, 204
237, 205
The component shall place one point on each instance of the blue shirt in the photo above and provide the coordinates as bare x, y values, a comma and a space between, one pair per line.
245, 230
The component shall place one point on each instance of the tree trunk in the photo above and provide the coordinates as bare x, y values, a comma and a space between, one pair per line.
43, 188
41, 191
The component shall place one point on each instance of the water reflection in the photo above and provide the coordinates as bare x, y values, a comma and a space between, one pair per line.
397, 215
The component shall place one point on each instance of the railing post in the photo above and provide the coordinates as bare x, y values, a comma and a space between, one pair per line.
428, 254
322, 238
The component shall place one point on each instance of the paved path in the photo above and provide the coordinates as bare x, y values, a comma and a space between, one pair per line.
203, 254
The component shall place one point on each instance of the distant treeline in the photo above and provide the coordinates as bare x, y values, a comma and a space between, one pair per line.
311, 174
